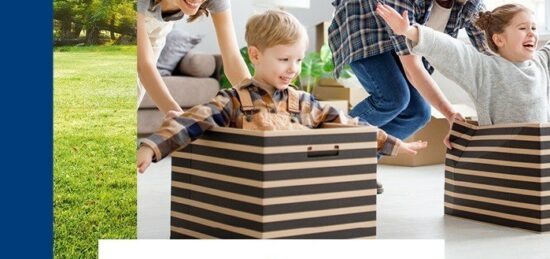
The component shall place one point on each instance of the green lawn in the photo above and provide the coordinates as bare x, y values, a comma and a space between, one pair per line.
94, 148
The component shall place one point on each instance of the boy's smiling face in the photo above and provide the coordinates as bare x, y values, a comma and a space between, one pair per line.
278, 65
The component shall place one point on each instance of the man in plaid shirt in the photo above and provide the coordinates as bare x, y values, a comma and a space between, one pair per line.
276, 43
396, 80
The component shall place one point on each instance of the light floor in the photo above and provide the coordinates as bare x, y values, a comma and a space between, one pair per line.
410, 208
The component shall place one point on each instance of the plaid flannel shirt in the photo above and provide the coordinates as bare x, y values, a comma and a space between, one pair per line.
356, 31
225, 110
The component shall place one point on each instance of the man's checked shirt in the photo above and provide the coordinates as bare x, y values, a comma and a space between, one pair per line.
357, 32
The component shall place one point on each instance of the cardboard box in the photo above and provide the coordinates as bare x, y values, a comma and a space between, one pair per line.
329, 89
433, 132
234, 183
321, 31
338, 104
500, 174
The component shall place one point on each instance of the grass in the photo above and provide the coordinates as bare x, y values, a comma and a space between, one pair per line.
94, 148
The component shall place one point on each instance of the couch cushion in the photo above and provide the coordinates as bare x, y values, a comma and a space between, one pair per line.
178, 43
187, 91
148, 121
197, 64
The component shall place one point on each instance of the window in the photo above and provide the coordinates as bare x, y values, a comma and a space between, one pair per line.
540, 7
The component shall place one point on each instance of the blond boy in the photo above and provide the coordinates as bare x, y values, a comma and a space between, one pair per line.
277, 43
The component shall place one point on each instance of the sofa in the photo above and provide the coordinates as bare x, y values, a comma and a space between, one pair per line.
195, 80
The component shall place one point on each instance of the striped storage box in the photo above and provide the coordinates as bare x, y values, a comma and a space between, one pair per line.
500, 174
235, 183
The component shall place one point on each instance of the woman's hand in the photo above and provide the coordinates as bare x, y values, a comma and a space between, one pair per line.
398, 23
172, 114
411, 147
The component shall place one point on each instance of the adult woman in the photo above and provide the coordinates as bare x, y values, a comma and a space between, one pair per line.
156, 19
397, 81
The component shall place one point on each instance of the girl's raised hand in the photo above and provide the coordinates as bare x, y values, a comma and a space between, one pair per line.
398, 23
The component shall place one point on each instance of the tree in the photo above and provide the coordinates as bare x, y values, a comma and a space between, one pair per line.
94, 16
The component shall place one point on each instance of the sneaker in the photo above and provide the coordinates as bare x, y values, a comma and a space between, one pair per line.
379, 188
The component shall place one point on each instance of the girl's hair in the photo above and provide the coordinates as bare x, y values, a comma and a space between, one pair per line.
496, 21
202, 11
273, 27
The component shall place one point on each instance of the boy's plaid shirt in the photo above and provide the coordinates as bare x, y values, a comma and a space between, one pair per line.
357, 32
225, 111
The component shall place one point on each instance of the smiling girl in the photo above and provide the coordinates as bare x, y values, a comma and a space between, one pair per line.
510, 87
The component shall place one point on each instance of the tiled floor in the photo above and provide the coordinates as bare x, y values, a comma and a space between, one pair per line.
410, 208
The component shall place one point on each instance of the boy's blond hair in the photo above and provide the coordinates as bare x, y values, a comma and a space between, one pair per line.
274, 27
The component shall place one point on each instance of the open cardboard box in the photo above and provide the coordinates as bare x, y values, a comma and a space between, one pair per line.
433, 132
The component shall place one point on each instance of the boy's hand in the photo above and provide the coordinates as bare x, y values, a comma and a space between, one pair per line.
144, 157
454, 117
411, 147
398, 23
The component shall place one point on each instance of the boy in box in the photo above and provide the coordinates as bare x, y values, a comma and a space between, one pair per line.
277, 44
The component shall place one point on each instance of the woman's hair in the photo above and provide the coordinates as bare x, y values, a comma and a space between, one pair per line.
202, 11
496, 21
273, 27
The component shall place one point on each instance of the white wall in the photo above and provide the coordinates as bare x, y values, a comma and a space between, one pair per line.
320, 10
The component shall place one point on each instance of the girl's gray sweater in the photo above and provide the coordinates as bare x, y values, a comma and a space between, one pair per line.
502, 91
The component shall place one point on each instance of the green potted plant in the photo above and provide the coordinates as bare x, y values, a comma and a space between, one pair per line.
318, 65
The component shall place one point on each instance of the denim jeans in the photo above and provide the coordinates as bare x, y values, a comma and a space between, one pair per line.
394, 105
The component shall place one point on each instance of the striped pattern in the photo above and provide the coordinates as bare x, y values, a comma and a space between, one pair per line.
234, 183
500, 174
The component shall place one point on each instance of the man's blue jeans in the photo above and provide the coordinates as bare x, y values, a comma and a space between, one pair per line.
394, 105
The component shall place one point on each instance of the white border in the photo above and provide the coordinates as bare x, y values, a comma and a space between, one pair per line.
272, 249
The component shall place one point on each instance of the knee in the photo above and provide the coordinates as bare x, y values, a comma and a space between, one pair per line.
423, 114
397, 103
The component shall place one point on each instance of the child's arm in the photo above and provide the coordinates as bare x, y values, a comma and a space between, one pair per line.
387, 145
544, 54
453, 58
414, 68
178, 132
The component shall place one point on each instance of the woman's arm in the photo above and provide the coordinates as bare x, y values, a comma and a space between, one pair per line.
233, 64
148, 73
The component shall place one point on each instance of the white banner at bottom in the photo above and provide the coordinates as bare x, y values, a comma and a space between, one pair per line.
272, 249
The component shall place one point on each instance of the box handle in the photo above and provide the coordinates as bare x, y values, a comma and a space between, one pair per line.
323, 151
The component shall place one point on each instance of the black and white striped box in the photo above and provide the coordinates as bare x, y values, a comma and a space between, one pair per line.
500, 174
235, 183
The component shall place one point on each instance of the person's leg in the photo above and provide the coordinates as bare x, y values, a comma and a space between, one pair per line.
394, 104
413, 117
388, 92
387, 87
